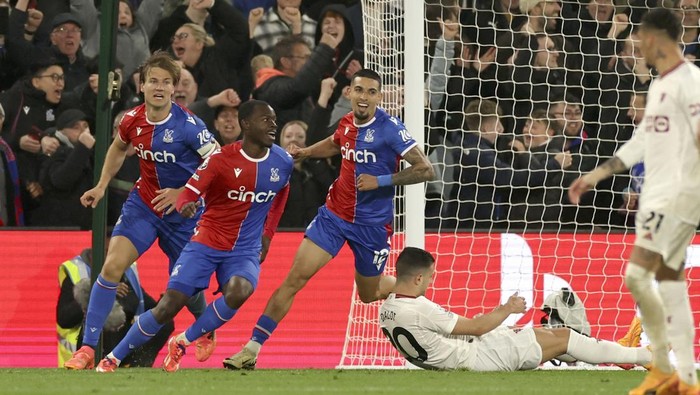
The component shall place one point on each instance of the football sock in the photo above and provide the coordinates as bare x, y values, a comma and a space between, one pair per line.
640, 283
139, 334
591, 350
681, 328
262, 331
216, 314
102, 298
197, 304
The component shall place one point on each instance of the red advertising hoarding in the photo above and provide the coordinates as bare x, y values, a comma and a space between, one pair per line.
475, 272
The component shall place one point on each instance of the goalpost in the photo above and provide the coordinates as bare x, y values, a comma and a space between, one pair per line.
480, 263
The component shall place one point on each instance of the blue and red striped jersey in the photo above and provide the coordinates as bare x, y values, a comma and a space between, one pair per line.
238, 193
169, 150
373, 148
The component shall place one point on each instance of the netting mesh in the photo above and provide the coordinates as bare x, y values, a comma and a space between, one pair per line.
518, 104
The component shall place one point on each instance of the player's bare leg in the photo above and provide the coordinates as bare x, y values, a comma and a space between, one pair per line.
120, 256
639, 278
559, 341
374, 288
680, 327
309, 259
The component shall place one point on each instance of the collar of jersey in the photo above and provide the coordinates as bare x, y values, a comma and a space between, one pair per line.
159, 122
255, 159
365, 124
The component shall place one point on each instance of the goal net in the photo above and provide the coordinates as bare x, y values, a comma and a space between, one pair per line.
518, 103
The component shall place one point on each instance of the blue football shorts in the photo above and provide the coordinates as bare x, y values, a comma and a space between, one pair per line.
197, 262
142, 226
370, 244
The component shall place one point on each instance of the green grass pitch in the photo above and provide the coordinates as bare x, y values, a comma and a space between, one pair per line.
366, 382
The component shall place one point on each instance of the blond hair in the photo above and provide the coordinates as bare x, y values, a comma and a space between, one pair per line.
200, 34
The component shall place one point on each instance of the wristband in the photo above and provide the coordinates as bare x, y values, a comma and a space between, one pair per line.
384, 180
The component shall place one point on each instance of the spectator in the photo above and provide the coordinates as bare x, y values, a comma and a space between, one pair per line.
186, 95
630, 194
309, 183
132, 300
259, 62
593, 34
542, 16
67, 174
211, 15
218, 65
84, 96
123, 182
297, 72
501, 15
226, 129
689, 14
573, 136
30, 108
281, 21
537, 76
65, 37
246, 6
540, 205
134, 30
11, 213
627, 72
486, 176
8, 70
323, 121
472, 74
348, 59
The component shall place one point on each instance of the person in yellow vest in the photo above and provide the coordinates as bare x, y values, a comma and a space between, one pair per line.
132, 300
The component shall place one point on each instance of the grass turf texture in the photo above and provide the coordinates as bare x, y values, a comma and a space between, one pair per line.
222, 381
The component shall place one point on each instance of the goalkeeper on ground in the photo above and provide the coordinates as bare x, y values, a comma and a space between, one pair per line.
431, 337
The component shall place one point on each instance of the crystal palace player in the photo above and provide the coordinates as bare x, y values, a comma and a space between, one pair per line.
669, 205
170, 143
431, 337
245, 187
359, 207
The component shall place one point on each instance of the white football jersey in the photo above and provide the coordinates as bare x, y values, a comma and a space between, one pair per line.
666, 141
421, 331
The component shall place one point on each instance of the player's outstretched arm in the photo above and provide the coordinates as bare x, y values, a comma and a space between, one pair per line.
486, 323
113, 162
323, 149
588, 181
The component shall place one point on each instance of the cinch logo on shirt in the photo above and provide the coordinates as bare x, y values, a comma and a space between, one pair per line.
158, 156
249, 196
352, 155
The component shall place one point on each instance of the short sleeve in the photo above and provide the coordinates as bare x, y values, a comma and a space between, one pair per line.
205, 174
443, 320
198, 137
398, 137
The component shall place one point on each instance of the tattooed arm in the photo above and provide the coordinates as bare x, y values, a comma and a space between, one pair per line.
420, 170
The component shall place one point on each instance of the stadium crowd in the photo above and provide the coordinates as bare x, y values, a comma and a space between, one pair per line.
522, 97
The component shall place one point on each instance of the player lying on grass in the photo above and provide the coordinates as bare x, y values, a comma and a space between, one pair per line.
431, 337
